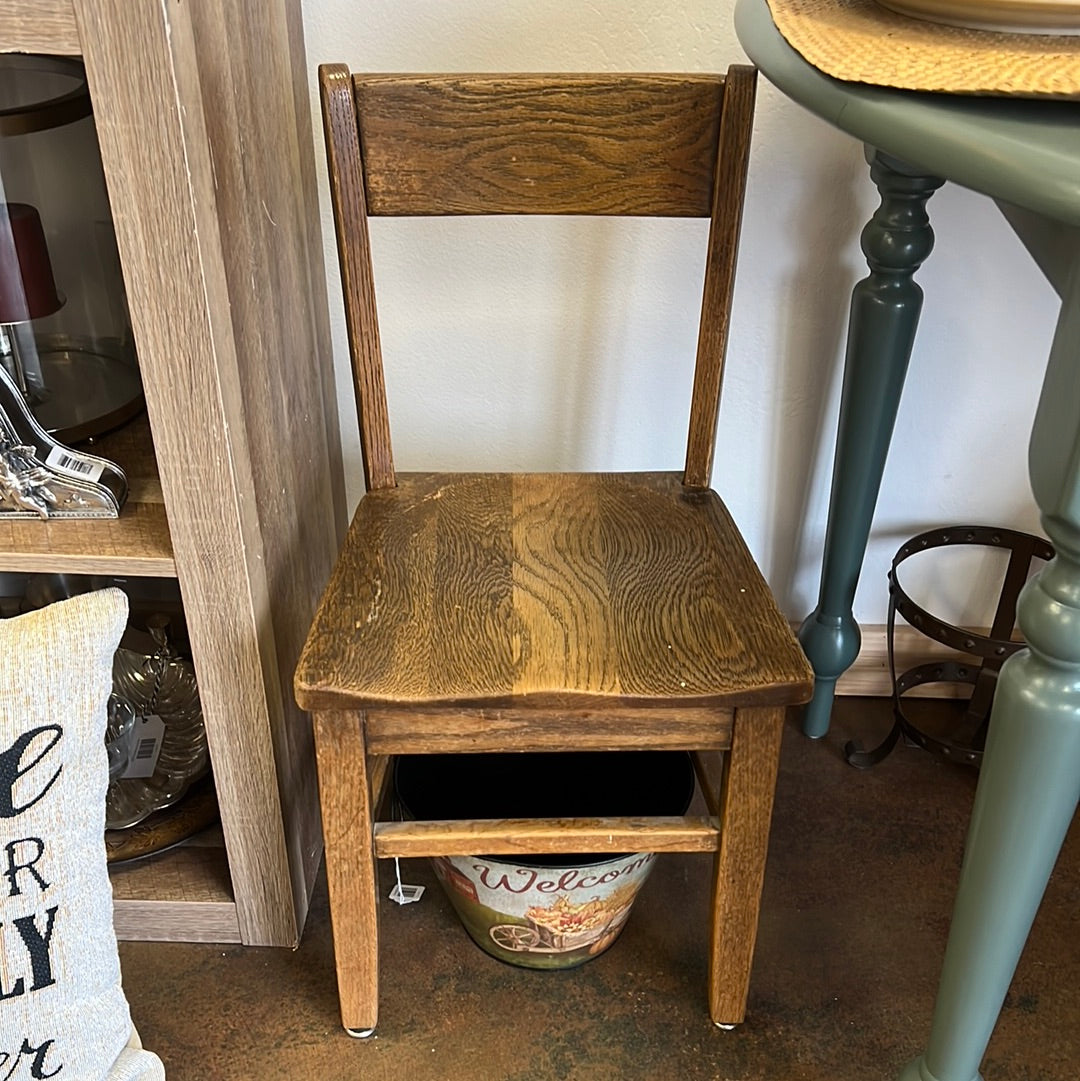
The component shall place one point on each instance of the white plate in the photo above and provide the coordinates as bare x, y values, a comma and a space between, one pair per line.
1003, 16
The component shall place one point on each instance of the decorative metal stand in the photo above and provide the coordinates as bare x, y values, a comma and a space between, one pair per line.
41, 478
993, 649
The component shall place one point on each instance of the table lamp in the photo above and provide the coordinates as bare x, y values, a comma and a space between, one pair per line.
65, 336
27, 292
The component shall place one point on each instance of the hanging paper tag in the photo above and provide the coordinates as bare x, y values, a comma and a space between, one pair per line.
405, 895
402, 893
149, 736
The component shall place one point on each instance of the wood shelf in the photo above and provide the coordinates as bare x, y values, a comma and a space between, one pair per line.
184, 894
136, 543
38, 26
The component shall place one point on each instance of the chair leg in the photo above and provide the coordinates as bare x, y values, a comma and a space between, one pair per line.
739, 864
345, 801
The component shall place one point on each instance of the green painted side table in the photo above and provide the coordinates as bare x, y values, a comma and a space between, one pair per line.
1026, 156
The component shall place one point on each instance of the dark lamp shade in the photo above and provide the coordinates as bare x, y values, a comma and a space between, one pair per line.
27, 287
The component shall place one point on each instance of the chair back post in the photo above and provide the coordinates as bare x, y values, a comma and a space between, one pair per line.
346, 170
733, 156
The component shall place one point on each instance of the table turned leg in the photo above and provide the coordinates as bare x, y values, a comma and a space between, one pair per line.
885, 310
1029, 784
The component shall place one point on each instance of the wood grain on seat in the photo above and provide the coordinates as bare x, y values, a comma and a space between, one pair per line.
553, 590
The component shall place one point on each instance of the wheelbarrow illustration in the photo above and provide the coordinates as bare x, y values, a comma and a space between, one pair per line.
541, 934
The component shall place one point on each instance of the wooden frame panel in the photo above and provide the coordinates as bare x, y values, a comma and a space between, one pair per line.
524, 836
544, 144
165, 197
176, 921
454, 731
283, 381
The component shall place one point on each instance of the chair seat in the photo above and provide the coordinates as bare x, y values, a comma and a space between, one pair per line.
548, 590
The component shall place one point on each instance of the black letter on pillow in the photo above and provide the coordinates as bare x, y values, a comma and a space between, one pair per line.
13, 868
37, 945
11, 768
37, 1067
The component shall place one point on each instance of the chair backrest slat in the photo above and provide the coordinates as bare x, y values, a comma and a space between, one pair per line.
648, 145
545, 144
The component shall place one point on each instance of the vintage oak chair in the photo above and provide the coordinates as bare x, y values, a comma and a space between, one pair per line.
543, 612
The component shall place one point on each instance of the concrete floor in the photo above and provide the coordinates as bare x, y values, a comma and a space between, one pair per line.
861, 876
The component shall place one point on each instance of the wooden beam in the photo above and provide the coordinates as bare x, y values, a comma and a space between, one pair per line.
447, 731
524, 836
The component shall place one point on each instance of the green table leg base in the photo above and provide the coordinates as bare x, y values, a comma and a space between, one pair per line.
831, 645
818, 711
916, 1071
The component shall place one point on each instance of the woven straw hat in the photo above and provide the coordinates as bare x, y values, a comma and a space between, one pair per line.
864, 41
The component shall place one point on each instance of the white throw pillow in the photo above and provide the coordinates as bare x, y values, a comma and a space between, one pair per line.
63, 1013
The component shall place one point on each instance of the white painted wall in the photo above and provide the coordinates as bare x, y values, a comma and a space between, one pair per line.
540, 316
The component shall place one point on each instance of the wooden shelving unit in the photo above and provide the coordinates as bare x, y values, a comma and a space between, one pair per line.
236, 486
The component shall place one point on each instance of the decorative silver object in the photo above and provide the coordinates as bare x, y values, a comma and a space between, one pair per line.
159, 683
41, 478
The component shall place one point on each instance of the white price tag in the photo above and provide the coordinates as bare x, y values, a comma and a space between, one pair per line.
149, 736
60, 460
402, 893
405, 895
